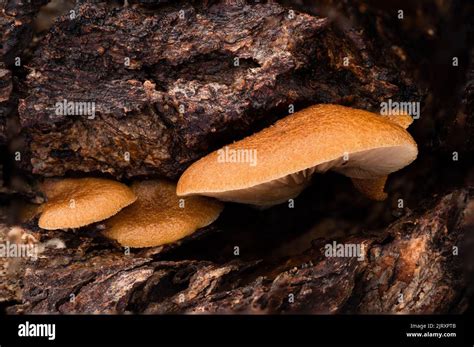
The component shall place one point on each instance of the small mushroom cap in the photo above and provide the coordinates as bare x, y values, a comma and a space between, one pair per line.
77, 202
356, 143
159, 217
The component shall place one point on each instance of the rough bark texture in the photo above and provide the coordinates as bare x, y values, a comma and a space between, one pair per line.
16, 29
16, 33
408, 268
187, 59
182, 95
5, 108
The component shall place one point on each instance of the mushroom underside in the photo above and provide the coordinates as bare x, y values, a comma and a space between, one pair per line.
372, 165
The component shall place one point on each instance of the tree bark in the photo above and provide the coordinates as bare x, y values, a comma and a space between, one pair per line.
415, 265
172, 81
170, 85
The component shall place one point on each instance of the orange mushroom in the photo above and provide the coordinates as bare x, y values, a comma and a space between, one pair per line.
361, 145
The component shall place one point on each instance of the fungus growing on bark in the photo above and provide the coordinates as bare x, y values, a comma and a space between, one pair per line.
159, 216
77, 202
361, 145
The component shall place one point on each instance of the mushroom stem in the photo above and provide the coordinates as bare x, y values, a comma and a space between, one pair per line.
371, 188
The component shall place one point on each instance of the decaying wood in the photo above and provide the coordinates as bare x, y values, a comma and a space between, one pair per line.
171, 84
410, 267
16, 34
5, 92
16, 27
172, 81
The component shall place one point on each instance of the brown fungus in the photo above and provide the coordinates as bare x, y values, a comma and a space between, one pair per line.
159, 216
77, 202
361, 145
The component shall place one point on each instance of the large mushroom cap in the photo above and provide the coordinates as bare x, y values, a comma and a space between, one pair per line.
356, 143
77, 202
159, 217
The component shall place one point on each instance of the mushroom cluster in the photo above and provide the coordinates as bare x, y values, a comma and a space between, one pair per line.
147, 214
358, 144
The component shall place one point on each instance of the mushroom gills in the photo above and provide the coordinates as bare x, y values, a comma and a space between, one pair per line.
370, 173
374, 163
374, 188
367, 169
270, 193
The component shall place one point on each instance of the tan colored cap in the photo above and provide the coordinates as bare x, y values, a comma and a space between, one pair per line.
159, 217
356, 143
77, 202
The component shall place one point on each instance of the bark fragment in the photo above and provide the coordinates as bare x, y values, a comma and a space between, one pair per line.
5, 107
16, 30
172, 84
16, 33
